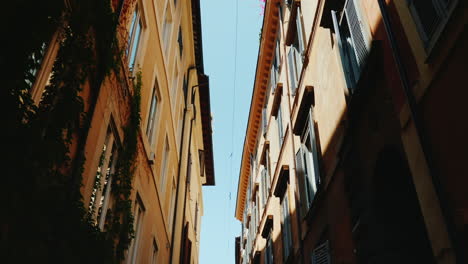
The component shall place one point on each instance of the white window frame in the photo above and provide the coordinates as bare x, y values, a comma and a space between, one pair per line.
352, 60
279, 121
43, 73
286, 226
164, 165
308, 168
101, 192
172, 205
168, 24
134, 37
138, 214
153, 114
443, 10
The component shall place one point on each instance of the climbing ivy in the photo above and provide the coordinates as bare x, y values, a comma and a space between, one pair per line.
44, 219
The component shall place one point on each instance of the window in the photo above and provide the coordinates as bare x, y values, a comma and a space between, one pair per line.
353, 42
172, 205
138, 212
430, 17
42, 61
134, 37
269, 251
279, 120
264, 121
164, 165
307, 167
275, 67
154, 255
35, 59
101, 194
167, 27
152, 114
180, 41
295, 54
286, 226
196, 218
265, 192
201, 161
321, 254
174, 88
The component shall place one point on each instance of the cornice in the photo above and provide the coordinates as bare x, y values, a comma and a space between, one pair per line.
262, 74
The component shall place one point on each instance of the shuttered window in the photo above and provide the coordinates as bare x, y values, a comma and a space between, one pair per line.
134, 37
292, 69
286, 226
295, 54
356, 29
264, 187
150, 133
307, 166
430, 17
269, 251
321, 254
101, 196
275, 66
279, 120
353, 41
264, 121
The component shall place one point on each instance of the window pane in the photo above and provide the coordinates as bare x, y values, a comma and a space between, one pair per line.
132, 29
134, 46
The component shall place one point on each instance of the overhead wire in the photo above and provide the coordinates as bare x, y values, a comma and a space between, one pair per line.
233, 119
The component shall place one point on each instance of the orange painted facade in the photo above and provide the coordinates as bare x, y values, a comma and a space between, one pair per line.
364, 164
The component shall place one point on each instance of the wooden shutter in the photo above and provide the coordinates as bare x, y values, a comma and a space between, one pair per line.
301, 180
321, 254
292, 70
358, 35
264, 120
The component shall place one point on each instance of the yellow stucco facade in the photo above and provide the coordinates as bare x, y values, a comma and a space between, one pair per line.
161, 39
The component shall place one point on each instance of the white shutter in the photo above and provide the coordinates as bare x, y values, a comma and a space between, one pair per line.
298, 57
292, 70
358, 35
300, 31
301, 179
315, 172
343, 54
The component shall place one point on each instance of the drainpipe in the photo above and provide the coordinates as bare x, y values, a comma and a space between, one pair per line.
187, 180
411, 100
189, 70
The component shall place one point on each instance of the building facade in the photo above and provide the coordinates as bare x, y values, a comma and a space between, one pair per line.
160, 46
347, 157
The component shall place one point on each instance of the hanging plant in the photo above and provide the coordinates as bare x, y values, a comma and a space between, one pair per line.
43, 154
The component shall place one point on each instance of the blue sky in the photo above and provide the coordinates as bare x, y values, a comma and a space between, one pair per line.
219, 227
